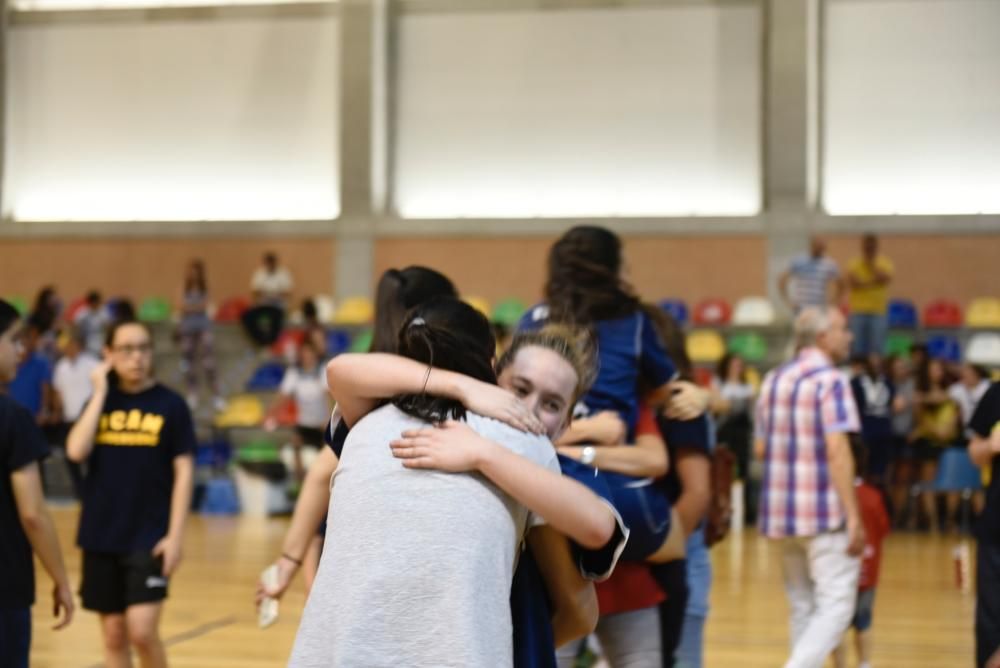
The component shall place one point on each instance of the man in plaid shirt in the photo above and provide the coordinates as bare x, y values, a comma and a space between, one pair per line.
804, 414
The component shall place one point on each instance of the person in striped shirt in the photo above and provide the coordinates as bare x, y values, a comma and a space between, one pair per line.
804, 415
810, 277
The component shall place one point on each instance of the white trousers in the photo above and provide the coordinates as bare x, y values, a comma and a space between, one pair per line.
821, 581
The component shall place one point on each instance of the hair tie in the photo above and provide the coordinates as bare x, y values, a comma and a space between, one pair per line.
418, 322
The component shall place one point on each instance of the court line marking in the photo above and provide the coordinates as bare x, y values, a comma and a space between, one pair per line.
196, 632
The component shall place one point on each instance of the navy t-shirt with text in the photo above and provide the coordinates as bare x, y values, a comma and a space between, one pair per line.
21, 444
130, 475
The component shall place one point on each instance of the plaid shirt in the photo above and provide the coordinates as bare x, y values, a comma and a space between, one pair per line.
800, 403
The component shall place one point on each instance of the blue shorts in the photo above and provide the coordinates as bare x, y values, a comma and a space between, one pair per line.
863, 610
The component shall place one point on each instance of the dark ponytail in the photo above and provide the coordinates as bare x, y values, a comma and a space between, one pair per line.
399, 291
448, 334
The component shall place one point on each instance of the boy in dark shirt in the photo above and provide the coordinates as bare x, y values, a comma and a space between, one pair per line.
25, 523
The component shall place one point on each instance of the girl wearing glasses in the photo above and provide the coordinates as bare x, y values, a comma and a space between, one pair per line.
137, 437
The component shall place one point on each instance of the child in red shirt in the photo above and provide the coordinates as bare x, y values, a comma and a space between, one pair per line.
876, 523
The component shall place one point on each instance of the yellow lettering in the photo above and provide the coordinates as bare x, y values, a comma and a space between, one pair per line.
152, 424
118, 420
134, 419
104, 423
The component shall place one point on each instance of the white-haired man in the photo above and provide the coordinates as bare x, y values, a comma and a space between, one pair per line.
804, 415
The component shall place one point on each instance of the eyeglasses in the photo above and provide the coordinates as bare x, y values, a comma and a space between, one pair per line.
128, 349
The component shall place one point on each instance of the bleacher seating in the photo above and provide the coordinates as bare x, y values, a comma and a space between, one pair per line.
355, 311
898, 344
754, 312
232, 310
266, 377
902, 314
705, 346
751, 346
676, 309
154, 309
942, 313
508, 311
983, 313
944, 347
480, 304
984, 348
712, 312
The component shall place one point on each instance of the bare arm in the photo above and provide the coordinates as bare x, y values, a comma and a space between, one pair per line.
838, 452
80, 441
169, 547
358, 381
783, 281
311, 506
574, 601
839, 289
604, 428
40, 530
646, 459
693, 469
566, 505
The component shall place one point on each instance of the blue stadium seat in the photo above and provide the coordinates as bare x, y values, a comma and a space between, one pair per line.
902, 314
266, 378
944, 347
677, 310
337, 341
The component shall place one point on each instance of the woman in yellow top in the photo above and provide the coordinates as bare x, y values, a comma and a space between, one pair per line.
937, 427
868, 278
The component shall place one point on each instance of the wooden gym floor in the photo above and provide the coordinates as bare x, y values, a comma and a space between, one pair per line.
922, 620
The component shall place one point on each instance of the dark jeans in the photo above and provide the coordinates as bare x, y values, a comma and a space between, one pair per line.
263, 324
15, 637
672, 578
987, 601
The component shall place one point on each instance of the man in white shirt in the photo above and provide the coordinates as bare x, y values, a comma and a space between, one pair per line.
73, 387
272, 286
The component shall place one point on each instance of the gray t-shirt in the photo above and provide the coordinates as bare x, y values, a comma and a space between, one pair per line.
417, 565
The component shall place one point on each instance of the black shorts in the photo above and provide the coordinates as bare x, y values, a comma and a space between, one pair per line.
113, 582
310, 436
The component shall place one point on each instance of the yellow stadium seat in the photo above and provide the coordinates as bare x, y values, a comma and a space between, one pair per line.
983, 312
705, 345
355, 311
479, 304
242, 410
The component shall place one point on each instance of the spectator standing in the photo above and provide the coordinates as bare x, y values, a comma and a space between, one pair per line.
808, 280
92, 320
868, 279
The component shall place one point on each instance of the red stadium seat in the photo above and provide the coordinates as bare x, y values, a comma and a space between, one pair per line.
232, 309
942, 313
288, 343
712, 312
